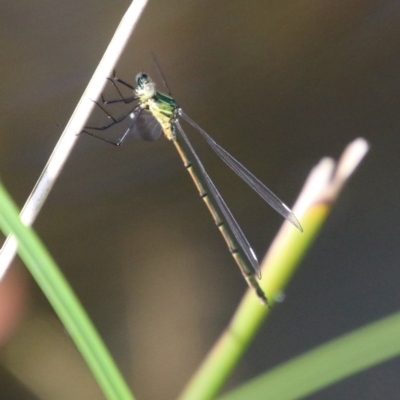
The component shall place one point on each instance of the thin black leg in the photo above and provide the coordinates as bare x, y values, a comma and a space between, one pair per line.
115, 78
121, 98
135, 111
114, 120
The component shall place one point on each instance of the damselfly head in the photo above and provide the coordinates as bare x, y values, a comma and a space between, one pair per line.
145, 87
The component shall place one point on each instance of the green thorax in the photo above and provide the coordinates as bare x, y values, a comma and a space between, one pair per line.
166, 104
164, 109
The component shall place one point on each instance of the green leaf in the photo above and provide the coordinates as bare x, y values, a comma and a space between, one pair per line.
327, 364
65, 303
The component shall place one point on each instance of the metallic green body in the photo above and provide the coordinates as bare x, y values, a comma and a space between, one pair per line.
165, 109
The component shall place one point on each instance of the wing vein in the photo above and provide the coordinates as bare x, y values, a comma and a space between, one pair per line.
237, 232
266, 194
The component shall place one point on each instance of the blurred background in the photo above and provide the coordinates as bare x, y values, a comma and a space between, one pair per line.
278, 84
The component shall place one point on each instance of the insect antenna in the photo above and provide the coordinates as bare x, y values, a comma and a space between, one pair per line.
161, 73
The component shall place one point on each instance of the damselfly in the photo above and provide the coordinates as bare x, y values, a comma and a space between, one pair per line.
154, 114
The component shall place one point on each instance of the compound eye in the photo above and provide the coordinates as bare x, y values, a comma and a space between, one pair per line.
141, 76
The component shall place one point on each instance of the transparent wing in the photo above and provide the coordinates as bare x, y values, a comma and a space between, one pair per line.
277, 204
135, 122
146, 127
237, 232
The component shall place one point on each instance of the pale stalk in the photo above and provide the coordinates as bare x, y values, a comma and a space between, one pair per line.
75, 125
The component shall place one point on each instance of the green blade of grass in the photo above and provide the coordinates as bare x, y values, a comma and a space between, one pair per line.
62, 298
326, 364
249, 316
